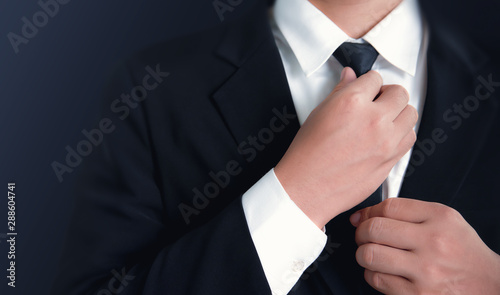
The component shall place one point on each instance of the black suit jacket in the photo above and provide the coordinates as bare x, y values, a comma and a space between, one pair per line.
129, 235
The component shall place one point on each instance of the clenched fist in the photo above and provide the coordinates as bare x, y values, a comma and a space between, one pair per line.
347, 146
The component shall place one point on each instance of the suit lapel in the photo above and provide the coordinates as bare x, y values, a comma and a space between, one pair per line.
256, 98
449, 142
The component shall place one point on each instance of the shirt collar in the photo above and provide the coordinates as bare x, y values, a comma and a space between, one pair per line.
313, 37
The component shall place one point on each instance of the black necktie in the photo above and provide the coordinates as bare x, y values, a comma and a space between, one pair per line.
359, 56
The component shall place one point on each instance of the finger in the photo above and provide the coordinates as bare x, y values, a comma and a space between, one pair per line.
407, 118
389, 284
385, 259
366, 87
407, 142
393, 99
404, 124
390, 232
346, 76
402, 209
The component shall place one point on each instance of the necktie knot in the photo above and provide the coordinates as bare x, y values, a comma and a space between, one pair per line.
359, 56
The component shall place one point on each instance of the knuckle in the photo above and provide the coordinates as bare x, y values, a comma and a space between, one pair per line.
379, 78
452, 214
431, 272
377, 280
354, 98
377, 123
413, 136
390, 207
375, 77
439, 243
403, 93
365, 254
375, 226
413, 113
424, 270
385, 144
447, 213
399, 93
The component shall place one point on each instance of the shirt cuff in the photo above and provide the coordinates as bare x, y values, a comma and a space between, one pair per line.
287, 241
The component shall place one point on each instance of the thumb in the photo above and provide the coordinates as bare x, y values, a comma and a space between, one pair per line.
346, 77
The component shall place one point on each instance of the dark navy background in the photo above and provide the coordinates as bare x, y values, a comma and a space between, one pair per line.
50, 91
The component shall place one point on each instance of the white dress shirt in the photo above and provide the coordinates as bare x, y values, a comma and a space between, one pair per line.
287, 241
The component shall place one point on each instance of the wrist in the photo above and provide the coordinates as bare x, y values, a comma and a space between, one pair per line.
305, 199
316, 216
